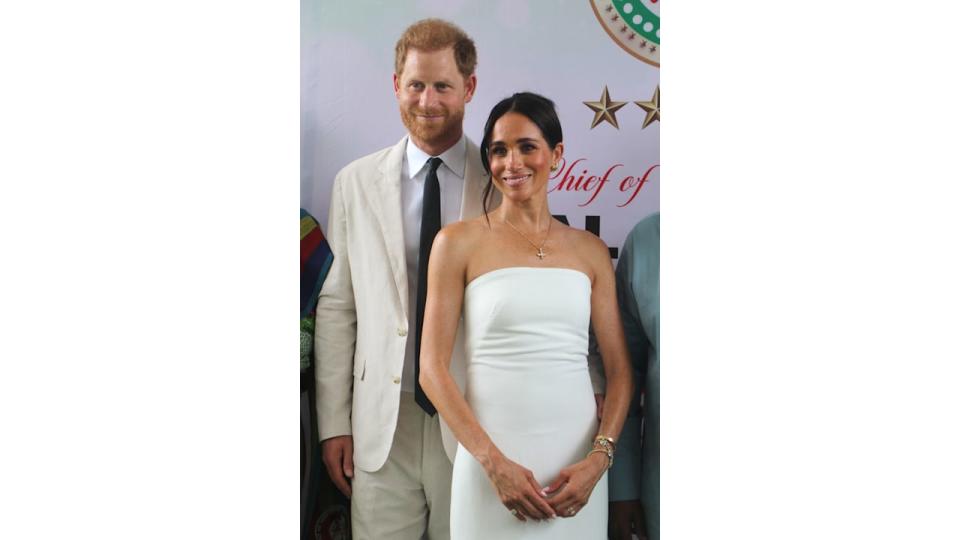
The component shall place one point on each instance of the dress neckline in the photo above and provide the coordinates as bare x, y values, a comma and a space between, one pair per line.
485, 275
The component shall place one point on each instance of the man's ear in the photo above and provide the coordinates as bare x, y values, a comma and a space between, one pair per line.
396, 85
470, 86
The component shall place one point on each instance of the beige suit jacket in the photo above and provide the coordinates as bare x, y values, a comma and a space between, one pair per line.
362, 325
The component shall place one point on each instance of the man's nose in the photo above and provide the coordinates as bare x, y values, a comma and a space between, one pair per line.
428, 97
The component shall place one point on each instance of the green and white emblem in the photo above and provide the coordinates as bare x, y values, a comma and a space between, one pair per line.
633, 24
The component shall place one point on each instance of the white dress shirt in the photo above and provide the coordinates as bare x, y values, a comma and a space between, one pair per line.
414, 174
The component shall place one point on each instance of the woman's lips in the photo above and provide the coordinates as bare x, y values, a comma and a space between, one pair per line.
515, 180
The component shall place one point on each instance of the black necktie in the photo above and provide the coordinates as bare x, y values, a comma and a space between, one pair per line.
429, 226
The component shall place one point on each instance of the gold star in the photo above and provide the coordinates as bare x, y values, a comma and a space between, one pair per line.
652, 107
605, 109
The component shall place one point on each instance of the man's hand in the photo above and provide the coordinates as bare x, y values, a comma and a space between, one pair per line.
626, 519
338, 457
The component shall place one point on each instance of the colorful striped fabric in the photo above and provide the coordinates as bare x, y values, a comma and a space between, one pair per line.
315, 259
324, 511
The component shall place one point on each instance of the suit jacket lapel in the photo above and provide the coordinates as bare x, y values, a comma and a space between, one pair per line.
388, 210
388, 206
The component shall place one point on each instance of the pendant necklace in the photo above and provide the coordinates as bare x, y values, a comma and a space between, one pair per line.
540, 252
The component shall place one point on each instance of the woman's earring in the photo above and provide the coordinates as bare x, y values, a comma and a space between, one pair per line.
553, 167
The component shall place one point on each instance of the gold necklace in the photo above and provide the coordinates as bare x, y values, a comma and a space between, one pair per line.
540, 252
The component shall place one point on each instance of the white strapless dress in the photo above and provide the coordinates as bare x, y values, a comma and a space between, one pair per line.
529, 386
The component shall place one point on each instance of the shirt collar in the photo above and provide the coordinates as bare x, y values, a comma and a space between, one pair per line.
455, 158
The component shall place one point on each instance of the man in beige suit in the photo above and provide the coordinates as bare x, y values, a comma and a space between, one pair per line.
381, 438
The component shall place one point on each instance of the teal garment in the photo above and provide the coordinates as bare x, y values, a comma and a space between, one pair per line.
638, 293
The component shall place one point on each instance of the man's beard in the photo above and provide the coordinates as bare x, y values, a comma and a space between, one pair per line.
447, 129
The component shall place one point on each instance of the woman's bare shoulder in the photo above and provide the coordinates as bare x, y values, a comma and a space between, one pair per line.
464, 231
589, 251
465, 227
584, 242
461, 237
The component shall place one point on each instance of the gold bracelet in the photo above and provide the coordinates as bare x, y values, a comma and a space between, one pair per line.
604, 452
604, 442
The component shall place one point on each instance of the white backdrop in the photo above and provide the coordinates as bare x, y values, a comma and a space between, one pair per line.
557, 48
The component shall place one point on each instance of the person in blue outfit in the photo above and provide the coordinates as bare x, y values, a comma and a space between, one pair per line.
635, 476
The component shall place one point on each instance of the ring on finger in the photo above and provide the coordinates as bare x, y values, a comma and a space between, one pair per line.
571, 511
515, 512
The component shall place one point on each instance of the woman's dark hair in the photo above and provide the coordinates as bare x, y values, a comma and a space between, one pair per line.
535, 107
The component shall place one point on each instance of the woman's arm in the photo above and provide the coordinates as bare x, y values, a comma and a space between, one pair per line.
571, 490
608, 328
446, 279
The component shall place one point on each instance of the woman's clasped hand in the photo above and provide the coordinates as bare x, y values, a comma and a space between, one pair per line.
523, 496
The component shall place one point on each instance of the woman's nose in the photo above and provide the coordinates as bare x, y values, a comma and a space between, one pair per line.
513, 159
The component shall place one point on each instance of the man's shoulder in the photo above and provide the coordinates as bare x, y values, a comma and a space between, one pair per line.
363, 165
471, 145
473, 152
642, 244
372, 162
646, 230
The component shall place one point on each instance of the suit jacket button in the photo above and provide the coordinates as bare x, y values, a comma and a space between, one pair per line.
401, 332
396, 380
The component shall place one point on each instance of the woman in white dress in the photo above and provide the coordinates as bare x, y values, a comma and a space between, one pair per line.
531, 456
